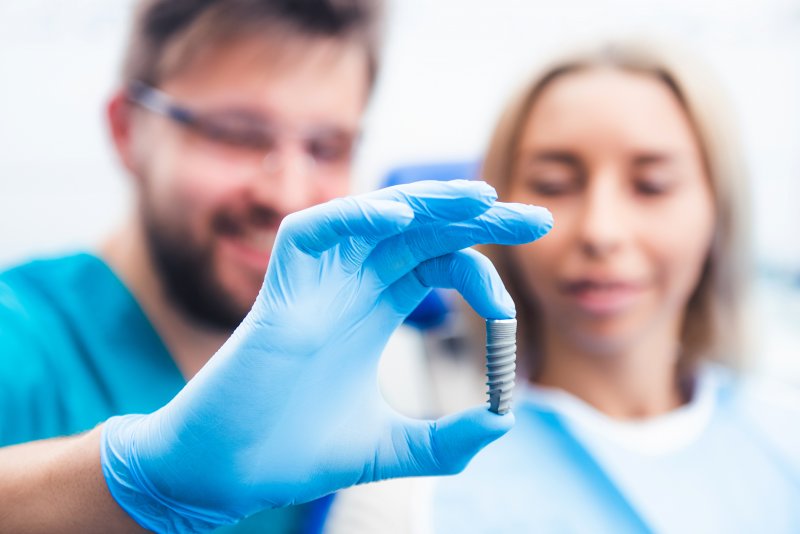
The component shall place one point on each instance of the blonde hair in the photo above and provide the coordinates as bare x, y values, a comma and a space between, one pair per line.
713, 322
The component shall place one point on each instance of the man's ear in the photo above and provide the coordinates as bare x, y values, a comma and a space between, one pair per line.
119, 114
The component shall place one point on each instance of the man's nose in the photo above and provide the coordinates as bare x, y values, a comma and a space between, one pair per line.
286, 180
604, 222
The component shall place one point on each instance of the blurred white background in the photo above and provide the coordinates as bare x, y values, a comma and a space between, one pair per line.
448, 66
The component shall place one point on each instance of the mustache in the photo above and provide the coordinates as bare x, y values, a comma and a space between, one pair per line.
233, 223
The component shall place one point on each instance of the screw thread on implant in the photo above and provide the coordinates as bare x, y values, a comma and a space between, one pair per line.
501, 362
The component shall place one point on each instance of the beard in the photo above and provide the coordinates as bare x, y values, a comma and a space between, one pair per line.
186, 269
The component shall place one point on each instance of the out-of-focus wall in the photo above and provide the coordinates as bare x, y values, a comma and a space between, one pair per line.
449, 64
59, 185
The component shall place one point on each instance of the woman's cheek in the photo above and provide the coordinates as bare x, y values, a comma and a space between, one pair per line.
534, 262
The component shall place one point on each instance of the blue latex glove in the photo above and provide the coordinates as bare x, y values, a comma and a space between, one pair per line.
289, 409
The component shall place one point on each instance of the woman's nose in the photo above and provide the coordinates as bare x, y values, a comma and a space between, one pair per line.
604, 223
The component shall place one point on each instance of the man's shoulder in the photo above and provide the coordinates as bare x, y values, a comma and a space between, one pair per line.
50, 270
36, 310
64, 286
29, 325
75, 347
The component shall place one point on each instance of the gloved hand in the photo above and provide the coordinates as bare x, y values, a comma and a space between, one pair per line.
289, 409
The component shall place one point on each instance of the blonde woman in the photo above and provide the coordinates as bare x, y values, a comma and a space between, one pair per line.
633, 414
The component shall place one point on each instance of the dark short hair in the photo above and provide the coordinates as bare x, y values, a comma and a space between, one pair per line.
167, 32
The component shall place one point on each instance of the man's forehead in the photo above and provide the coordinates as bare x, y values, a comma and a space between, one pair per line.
266, 57
314, 75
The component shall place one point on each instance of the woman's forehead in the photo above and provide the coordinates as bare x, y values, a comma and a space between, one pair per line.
604, 104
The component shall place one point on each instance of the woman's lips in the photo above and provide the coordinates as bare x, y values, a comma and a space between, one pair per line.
603, 297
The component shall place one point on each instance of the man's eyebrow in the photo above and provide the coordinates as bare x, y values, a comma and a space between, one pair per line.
240, 113
259, 119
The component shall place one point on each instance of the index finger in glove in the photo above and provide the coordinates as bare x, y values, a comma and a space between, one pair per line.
503, 224
374, 216
441, 201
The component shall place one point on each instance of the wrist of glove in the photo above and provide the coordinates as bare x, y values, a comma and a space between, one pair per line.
137, 495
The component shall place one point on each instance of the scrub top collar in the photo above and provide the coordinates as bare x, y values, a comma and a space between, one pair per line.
655, 436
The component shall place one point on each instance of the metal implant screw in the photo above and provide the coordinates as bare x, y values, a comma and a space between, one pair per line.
501, 362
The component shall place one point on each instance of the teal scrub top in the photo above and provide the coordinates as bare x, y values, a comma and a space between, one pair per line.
76, 349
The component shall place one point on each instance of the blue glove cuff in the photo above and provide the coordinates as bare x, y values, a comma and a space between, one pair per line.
134, 493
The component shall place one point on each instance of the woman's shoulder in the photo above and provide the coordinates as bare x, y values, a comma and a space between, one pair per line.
770, 408
764, 397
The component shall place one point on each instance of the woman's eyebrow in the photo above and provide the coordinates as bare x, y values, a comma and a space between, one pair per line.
551, 156
653, 158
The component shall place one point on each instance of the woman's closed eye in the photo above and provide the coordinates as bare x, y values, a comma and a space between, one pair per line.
655, 175
553, 181
552, 173
653, 186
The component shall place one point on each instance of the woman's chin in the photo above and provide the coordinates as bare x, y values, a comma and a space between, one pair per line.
604, 338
